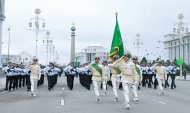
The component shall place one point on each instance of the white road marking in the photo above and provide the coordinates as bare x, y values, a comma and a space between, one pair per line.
62, 102
161, 102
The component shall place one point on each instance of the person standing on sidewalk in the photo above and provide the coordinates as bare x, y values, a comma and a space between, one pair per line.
34, 75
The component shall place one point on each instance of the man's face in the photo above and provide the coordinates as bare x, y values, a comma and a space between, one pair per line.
35, 61
72, 64
126, 58
97, 60
135, 61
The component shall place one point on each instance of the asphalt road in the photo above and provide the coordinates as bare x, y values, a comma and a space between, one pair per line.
81, 100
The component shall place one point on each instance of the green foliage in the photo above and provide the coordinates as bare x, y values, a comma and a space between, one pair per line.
143, 60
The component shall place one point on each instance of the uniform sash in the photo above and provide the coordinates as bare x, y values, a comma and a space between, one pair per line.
137, 69
118, 71
97, 68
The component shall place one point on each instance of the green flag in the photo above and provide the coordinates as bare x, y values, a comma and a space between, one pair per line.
179, 62
117, 43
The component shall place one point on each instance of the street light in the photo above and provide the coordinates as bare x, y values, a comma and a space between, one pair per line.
48, 42
138, 43
9, 30
37, 28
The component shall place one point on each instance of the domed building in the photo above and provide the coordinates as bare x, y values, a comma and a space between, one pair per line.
87, 54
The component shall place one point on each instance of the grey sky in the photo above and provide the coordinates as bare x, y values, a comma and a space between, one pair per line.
95, 22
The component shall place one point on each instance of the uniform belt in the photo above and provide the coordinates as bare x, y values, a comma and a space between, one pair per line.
160, 73
127, 75
97, 76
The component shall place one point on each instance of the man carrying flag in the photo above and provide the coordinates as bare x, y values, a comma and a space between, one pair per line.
116, 52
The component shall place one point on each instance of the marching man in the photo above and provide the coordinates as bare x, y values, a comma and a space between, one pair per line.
105, 75
138, 77
128, 75
115, 78
161, 75
34, 75
96, 69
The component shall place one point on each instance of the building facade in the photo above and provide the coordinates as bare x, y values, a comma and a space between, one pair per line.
177, 44
88, 54
12, 58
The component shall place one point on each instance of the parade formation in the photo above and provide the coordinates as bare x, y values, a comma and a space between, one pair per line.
125, 70
119, 71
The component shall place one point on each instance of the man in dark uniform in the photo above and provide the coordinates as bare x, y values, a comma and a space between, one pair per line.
9, 76
71, 71
172, 71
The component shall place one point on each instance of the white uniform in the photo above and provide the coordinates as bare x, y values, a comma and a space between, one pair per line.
128, 78
138, 75
115, 78
105, 76
35, 75
96, 77
161, 75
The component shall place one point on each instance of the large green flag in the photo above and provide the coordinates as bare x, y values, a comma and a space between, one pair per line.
117, 48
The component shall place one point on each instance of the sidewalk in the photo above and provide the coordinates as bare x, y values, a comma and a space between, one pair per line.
2, 83
182, 78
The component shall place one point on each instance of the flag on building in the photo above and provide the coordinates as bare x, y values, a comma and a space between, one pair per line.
117, 48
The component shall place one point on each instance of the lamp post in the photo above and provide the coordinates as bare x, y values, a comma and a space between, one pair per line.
48, 42
37, 28
9, 30
2, 18
138, 43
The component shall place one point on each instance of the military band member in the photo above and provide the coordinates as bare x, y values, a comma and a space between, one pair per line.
172, 71
70, 71
115, 77
96, 69
138, 78
144, 74
128, 76
9, 71
160, 75
105, 75
50, 73
150, 72
34, 75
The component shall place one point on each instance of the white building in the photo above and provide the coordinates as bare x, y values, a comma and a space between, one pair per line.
12, 58
87, 55
177, 44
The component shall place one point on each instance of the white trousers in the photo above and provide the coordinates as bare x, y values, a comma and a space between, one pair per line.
33, 85
96, 87
115, 86
104, 84
160, 87
126, 87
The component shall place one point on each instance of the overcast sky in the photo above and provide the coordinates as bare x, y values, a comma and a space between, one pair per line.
94, 21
